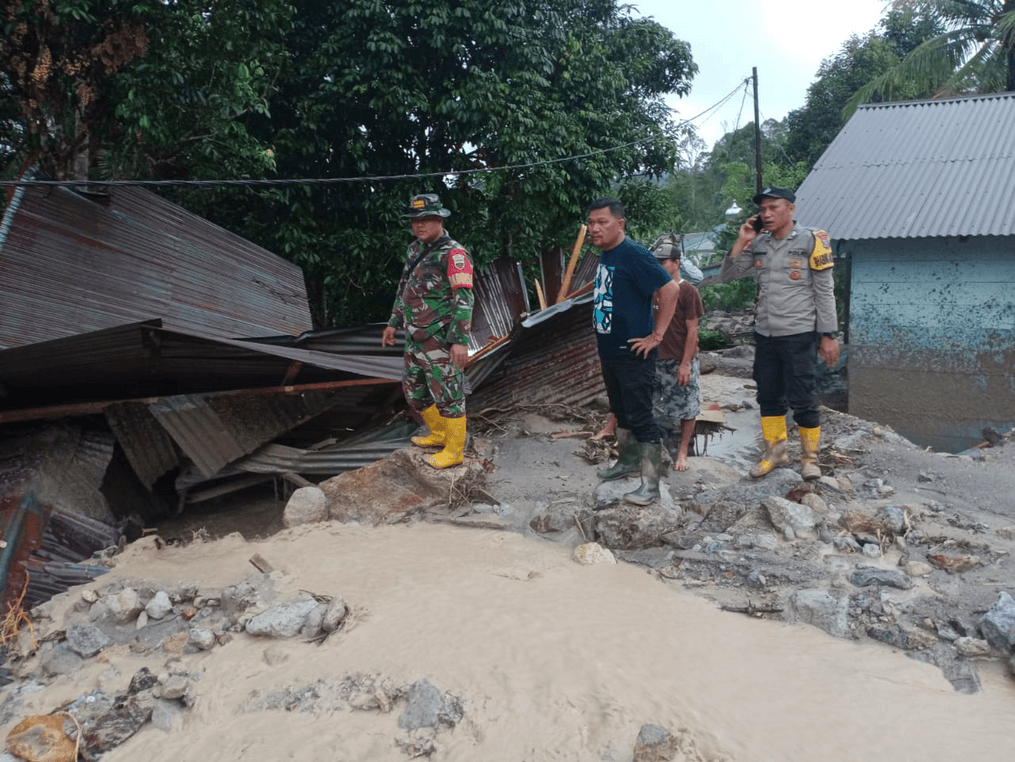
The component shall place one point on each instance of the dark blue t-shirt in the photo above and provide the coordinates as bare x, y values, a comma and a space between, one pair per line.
627, 277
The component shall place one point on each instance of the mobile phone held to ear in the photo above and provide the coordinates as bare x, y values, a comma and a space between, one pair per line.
757, 224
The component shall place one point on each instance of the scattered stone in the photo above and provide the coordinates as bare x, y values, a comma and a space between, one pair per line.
871, 549
821, 609
59, 660
891, 520
308, 505
172, 687
592, 553
86, 639
903, 636
972, 647
334, 614
426, 707
124, 606
865, 576
792, 519
846, 544
655, 744
998, 624
201, 638
555, 517
116, 726
159, 606
917, 568
815, 502
958, 671
284, 620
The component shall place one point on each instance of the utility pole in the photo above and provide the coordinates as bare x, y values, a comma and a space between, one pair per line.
757, 132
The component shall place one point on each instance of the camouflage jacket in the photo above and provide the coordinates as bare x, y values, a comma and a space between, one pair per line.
435, 297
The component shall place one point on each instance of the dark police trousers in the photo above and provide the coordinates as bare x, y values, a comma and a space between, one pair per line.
784, 372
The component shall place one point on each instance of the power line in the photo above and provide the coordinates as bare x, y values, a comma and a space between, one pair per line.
359, 179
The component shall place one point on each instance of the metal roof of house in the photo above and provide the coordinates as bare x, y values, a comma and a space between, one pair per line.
71, 264
917, 169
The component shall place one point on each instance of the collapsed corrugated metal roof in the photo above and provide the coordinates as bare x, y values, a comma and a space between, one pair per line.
71, 265
917, 169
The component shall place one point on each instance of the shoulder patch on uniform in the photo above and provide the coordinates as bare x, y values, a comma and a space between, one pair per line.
821, 256
459, 269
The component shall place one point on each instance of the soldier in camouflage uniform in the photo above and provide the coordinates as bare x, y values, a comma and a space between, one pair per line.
794, 321
434, 304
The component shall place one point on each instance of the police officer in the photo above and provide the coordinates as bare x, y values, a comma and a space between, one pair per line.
434, 304
795, 316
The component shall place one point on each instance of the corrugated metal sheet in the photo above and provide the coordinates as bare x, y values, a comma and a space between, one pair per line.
555, 361
917, 169
500, 301
147, 445
143, 360
70, 265
215, 430
51, 507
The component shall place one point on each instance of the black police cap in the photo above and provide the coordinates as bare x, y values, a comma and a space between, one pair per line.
772, 191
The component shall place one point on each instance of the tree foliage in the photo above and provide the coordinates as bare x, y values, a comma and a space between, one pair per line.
482, 102
860, 60
972, 51
141, 89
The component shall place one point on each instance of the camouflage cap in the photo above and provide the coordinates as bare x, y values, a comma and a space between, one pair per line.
666, 247
426, 205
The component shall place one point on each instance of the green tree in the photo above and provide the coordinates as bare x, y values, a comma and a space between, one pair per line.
468, 88
139, 89
973, 52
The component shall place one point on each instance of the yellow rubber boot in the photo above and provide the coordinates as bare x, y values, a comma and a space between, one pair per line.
432, 418
454, 444
773, 429
809, 439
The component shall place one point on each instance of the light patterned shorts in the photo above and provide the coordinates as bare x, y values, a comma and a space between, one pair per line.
671, 402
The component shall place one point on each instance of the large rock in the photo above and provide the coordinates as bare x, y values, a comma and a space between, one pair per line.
308, 505
631, 527
283, 621
821, 609
998, 624
396, 487
792, 519
753, 491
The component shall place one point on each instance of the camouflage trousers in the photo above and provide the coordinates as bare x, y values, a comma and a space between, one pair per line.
671, 402
429, 378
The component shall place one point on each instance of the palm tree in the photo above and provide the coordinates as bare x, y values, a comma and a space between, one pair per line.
974, 54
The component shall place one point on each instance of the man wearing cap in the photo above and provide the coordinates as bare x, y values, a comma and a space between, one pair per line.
434, 304
795, 316
627, 279
676, 401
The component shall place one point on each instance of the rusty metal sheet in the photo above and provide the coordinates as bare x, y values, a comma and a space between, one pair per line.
147, 445
70, 265
215, 430
555, 361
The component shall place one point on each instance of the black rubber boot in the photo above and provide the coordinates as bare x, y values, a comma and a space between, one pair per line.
651, 465
627, 462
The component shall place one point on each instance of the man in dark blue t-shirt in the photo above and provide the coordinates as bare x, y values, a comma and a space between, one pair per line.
627, 279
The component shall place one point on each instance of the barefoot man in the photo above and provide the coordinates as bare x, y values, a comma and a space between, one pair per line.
676, 399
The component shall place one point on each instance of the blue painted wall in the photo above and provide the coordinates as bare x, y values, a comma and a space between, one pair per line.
932, 336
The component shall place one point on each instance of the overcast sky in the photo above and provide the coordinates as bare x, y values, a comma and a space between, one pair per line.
787, 40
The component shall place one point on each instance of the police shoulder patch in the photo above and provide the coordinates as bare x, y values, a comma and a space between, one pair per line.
821, 255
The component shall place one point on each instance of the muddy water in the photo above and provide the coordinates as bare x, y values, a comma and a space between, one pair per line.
552, 661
